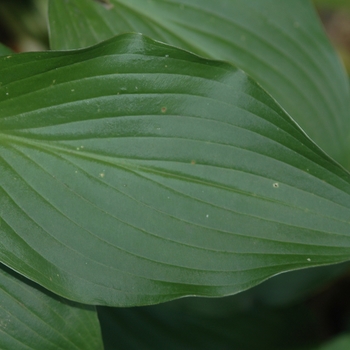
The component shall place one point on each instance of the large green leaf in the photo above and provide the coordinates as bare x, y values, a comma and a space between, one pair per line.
133, 173
32, 318
281, 44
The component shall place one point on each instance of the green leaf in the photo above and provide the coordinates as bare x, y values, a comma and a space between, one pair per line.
134, 173
33, 318
281, 44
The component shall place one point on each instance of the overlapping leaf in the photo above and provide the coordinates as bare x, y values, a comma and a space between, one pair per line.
134, 173
279, 43
31, 318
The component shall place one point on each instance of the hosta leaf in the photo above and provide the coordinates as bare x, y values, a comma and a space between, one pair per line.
133, 173
281, 44
32, 318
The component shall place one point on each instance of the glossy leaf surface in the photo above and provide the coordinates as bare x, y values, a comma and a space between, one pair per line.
32, 318
281, 44
133, 173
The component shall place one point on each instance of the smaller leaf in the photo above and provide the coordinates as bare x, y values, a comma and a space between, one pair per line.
33, 318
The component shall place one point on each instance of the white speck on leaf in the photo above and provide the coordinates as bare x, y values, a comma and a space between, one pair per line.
276, 185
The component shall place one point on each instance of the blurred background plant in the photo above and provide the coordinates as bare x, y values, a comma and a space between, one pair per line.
23, 24
335, 16
298, 310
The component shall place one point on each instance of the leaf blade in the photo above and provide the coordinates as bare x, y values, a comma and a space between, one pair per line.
130, 177
34, 318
